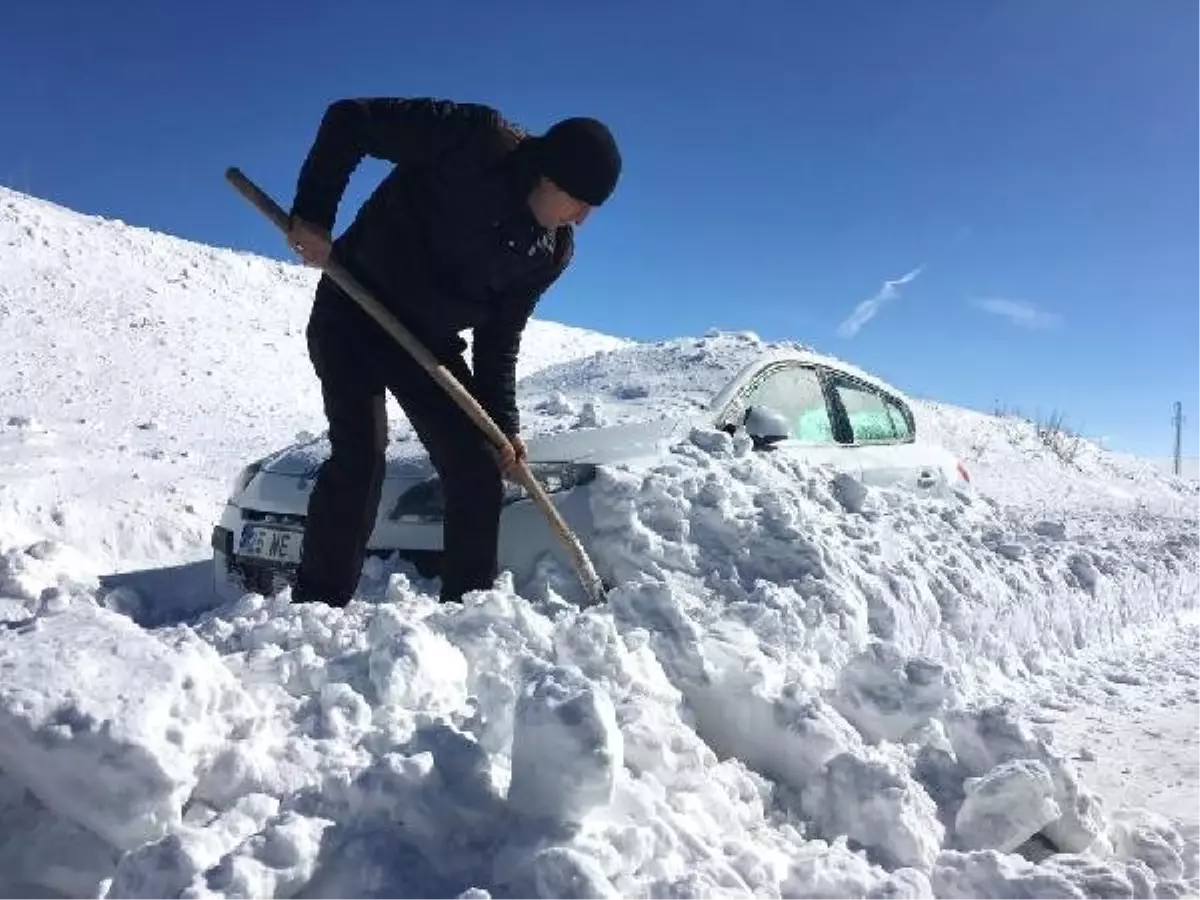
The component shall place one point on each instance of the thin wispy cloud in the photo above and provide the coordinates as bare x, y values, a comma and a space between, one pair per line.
868, 309
1019, 312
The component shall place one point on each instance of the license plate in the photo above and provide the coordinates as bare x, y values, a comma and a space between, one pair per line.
274, 544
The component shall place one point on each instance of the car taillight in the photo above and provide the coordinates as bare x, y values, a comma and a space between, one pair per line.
963, 473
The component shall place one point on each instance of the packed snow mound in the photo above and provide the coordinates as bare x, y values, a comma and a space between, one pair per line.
958, 580
78, 726
781, 698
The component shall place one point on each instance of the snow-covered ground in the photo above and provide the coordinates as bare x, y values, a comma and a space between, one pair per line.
800, 687
1189, 466
1127, 712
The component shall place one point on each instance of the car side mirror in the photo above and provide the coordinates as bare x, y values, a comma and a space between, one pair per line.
765, 426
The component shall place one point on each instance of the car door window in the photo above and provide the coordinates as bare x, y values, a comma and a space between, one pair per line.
794, 392
901, 419
874, 418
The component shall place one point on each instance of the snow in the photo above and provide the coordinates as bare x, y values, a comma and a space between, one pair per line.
634, 382
1128, 713
1009, 462
1189, 466
1007, 806
566, 748
801, 685
77, 727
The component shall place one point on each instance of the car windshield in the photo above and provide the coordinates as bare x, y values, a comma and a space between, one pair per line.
667, 379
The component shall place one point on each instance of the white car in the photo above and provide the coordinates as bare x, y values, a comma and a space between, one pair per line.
623, 407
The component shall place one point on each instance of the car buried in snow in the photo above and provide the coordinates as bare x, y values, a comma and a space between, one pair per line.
623, 407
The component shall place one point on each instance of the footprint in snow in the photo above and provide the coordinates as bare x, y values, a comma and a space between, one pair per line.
26, 423
1125, 678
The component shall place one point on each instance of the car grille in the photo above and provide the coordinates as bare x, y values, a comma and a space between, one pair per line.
426, 502
255, 515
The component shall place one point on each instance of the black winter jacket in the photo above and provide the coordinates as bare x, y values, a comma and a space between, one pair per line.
446, 241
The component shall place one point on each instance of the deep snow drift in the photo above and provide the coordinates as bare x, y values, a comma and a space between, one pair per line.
801, 687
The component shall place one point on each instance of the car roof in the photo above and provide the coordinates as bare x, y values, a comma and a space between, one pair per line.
811, 357
676, 378
679, 379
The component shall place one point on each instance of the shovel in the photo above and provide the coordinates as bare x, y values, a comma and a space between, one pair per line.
583, 564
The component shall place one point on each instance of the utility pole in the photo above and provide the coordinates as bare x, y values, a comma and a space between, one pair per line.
1177, 421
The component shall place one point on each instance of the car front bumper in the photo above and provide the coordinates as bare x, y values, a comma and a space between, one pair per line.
526, 539
236, 574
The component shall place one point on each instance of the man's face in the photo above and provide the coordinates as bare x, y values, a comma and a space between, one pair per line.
552, 206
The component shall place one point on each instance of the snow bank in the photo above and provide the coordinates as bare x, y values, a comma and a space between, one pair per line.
557, 762
44, 853
780, 699
761, 549
107, 724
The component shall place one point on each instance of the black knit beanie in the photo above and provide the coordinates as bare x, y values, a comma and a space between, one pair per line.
581, 157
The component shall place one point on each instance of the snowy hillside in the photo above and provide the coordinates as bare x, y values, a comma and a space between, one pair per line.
1189, 467
800, 687
1015, 465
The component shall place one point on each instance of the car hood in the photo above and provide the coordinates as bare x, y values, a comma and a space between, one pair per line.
608, 444
407, 459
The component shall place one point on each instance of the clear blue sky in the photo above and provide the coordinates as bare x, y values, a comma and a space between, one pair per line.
783, 161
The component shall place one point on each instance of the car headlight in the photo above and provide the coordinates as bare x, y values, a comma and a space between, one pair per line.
553, 477
422, 502
425, 502
243, 480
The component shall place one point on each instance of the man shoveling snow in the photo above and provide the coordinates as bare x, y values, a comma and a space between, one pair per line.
470, 228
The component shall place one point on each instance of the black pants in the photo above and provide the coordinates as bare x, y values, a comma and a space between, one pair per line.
357, 361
